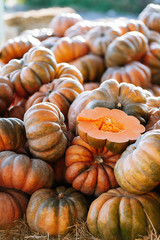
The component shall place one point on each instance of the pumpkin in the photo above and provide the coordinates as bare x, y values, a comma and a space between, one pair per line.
154, 90
100, 37
59, 171
152, 60
61, 22
40, 33
13, 204
49, 42
91, 66
154, 37
150, 15
154, 120
37, 67
23, 173
61, 92
88, 169
80, 28
111, 94
91, 86
111, 128
16, 109
66, 49
118, 214
12, 134
134, 72
46, 131
55, 211
6, 94
153, 102
17, 47
139, 163
129, 47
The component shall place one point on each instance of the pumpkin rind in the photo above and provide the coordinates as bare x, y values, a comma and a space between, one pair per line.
118, 214
139, 163
55, 211
23, 173
46, 131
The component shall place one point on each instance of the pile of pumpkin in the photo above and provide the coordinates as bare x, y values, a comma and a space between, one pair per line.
80, 118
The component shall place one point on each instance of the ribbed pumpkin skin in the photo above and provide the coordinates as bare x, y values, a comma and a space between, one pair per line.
100, 37
139, 163
154, 120
37, 67
135, 73
119, 215
46, 131
61, 92
152, 60
12, 134
153, 102
20, 172
111, 94
55, 211
40, 33
91, 66
6, 94
90, 170
66, 49
61, 22
129, 47
13, 205
151, 16
17, 47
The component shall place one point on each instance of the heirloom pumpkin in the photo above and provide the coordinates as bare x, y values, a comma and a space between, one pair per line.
88, 169
37, 67
46, 131
23, 173
129, 47
139, 163
55, 211
118, 214
12, 134
111, 94
134, 72
13, 204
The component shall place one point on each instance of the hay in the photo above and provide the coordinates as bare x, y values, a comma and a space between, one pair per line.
79, 232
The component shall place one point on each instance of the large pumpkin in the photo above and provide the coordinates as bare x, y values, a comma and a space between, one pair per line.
88, 169
67, 49
6, 94
118, 214
17, 47
138, 169
150, 15
12, 134
37, 67
134, 72
13, 204
23, 173
55, 211
127, 48
46, 131
111, 94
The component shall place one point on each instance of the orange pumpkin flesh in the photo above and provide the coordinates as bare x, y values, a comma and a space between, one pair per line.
100, 125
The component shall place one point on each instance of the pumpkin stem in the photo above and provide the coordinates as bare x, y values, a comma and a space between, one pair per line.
60, 195
98, 159
119, 105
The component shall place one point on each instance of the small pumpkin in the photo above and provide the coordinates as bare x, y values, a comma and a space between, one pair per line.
6, 94
55, 211
154, 120
153, 102
91, 86
23, 173
154, 37
134, 72
139, 163
88, 169
40, 33
66, 49
154, 90
111, 128
12, 134
118, 214
61, 22
49, 42
37, 67
13, 205
91, 66
150, 15
46, 131
129, 47
17, 47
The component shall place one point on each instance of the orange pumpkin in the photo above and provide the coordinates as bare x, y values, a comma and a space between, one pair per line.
91, 86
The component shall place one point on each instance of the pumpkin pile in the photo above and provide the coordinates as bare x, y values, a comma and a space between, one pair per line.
80, 126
